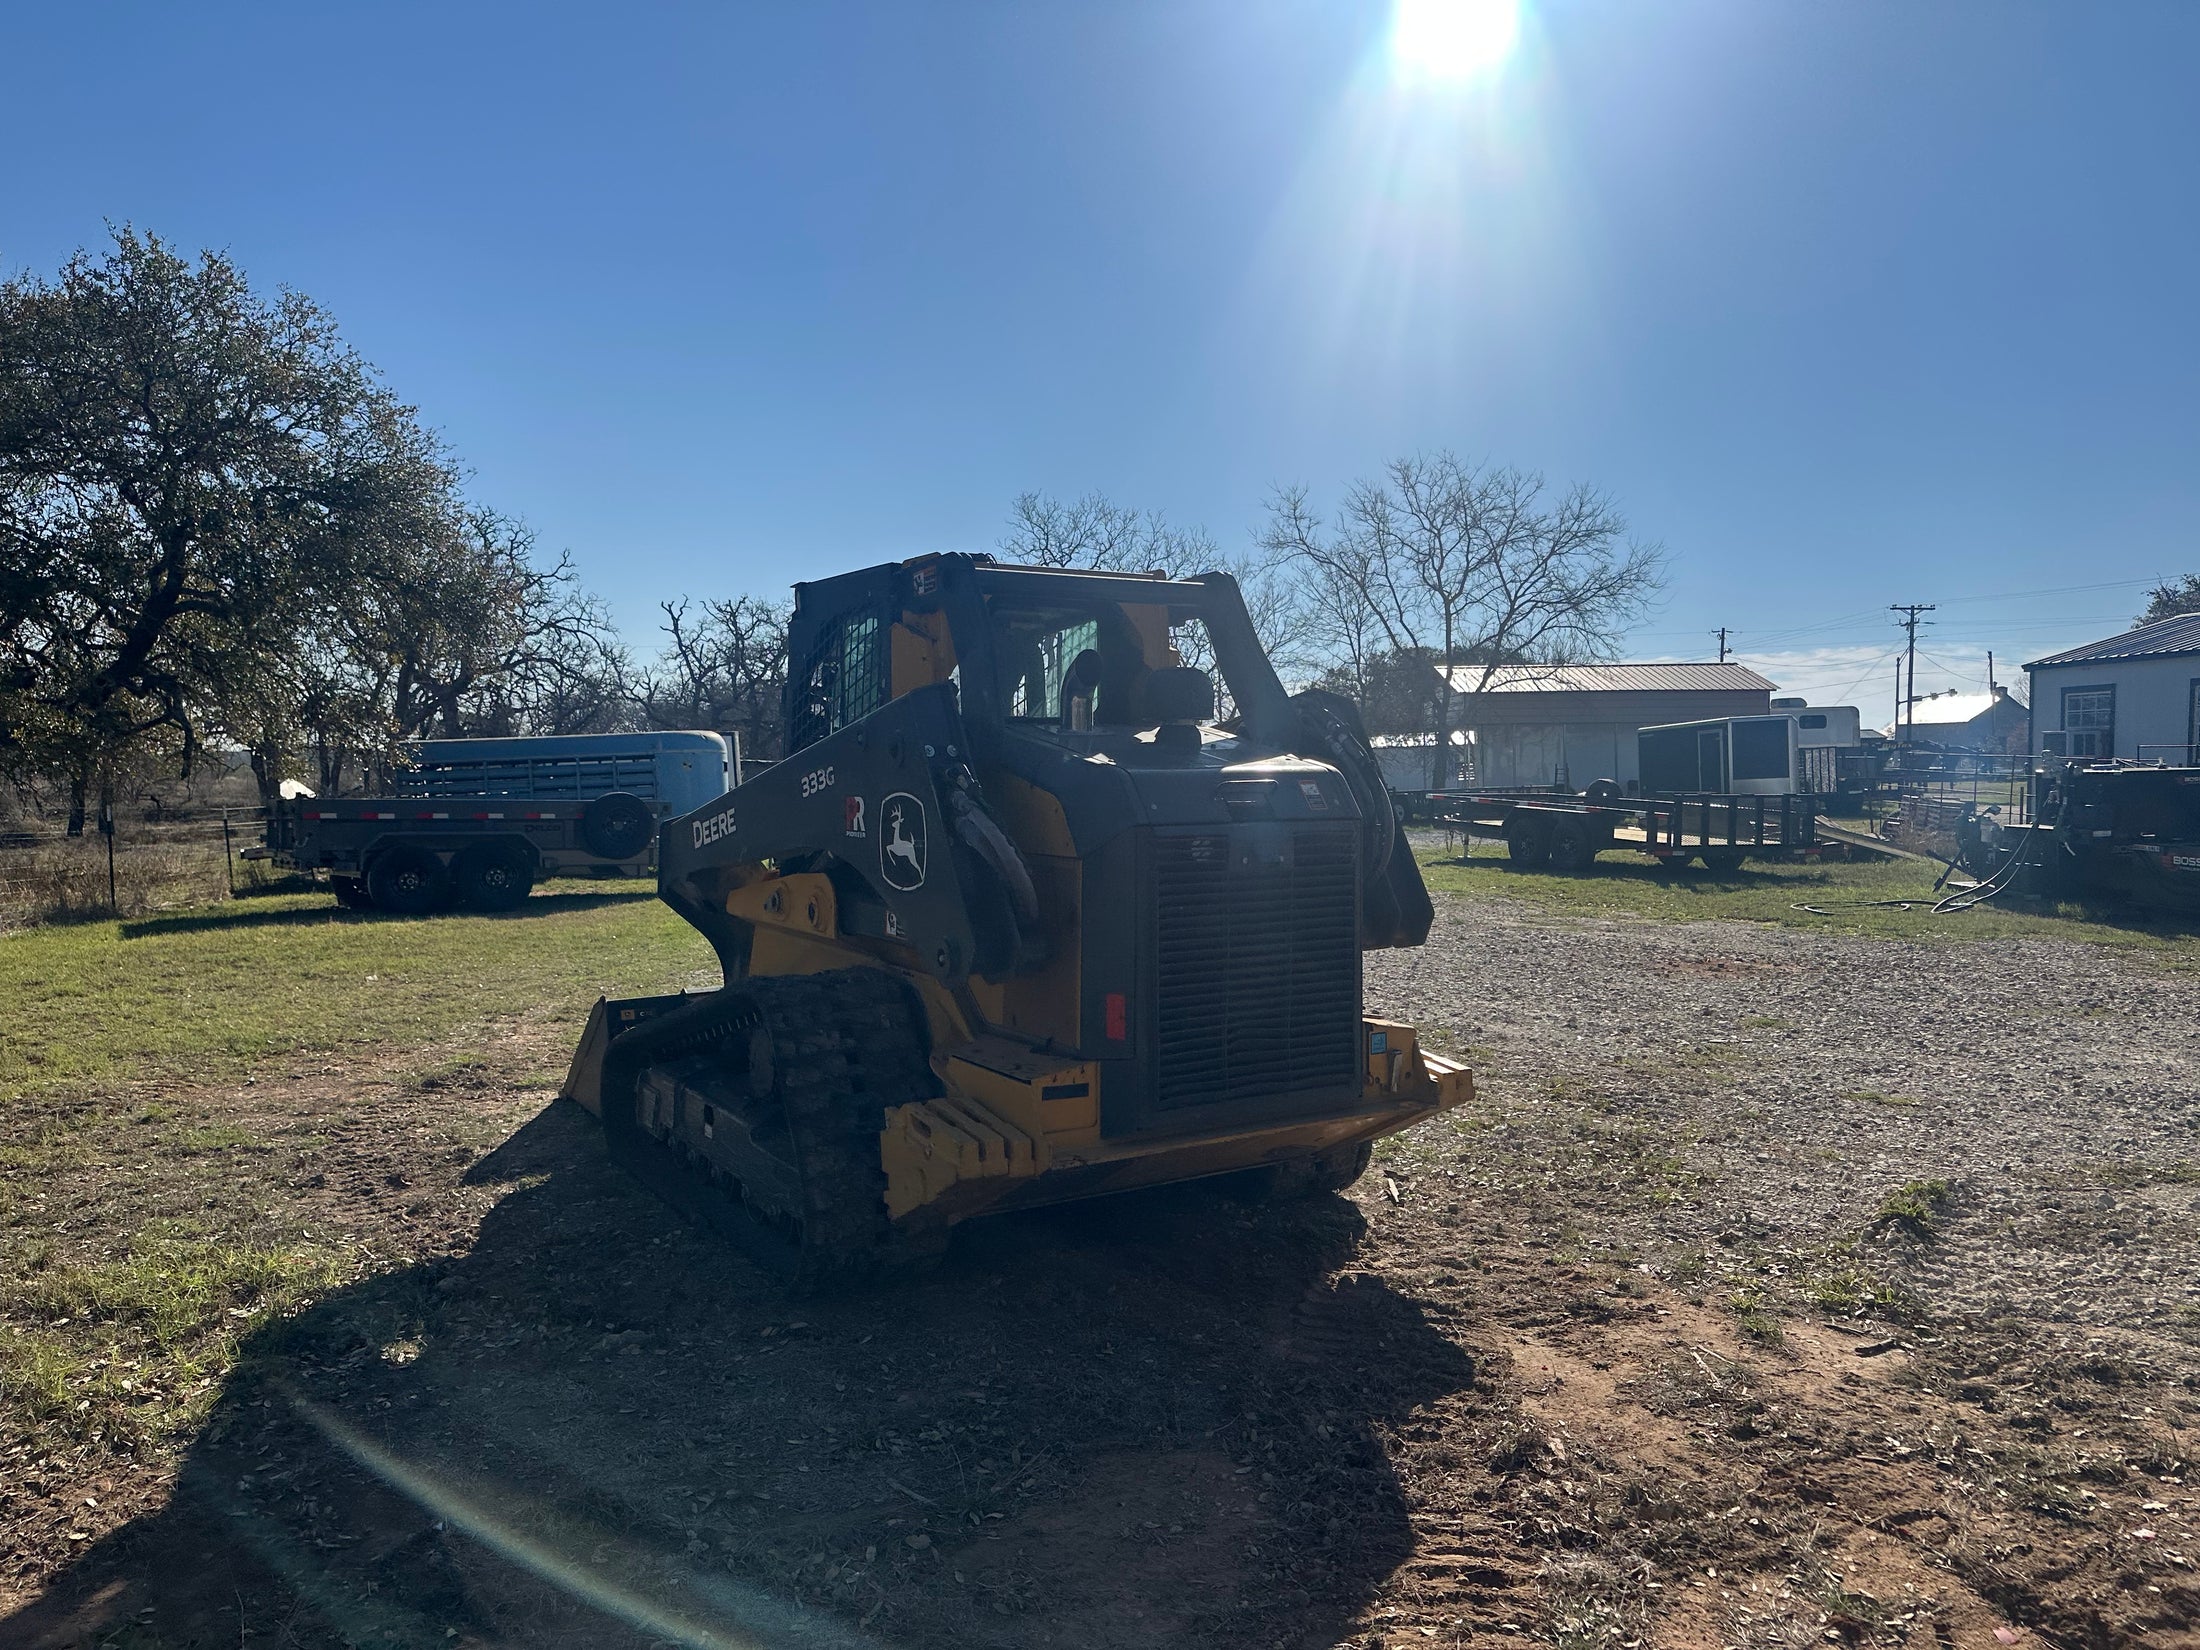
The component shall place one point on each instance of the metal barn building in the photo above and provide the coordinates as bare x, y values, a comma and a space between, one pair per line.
1569, 724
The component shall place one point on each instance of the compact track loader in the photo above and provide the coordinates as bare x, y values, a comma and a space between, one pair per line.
1019, 920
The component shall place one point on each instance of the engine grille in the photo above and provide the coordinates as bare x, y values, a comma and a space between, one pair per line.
1258, 965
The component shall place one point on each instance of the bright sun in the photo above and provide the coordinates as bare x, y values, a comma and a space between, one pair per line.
1452, 39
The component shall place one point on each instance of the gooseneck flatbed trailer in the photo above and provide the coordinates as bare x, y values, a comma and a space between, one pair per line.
1565, 831
478, 822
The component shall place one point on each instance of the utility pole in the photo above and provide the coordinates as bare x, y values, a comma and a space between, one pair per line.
1989, 673
1911, 614
1721, 633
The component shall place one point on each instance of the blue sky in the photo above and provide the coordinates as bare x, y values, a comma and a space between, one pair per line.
1846, 304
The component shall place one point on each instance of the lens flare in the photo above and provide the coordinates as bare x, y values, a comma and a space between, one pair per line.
1452, 40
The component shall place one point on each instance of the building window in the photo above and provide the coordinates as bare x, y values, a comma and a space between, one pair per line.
2089, 718
1814, 721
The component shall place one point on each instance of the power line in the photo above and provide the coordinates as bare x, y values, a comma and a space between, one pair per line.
1859, 682
2058, 590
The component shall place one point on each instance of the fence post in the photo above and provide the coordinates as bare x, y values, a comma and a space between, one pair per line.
229, 858
107, 830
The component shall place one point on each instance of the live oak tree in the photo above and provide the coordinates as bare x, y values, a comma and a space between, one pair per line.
1478, 568
215, 521
185, 467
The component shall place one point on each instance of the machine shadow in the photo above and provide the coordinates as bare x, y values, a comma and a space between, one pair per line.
1155, 1420
536, 906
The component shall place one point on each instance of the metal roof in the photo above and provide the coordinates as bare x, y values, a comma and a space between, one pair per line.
1612, 678
1941, 710
2164, 636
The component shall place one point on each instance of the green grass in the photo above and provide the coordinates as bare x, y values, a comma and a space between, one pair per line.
131, 1350
1913, 1208
205, 993
121, 1331
1629, 884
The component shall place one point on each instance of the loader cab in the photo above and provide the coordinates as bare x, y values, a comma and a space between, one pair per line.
1129, 667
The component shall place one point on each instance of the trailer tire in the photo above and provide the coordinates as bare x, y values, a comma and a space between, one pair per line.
617, 825
1604, 790
1572, 848
1724, 861
494, 876
1528, 842
410, 881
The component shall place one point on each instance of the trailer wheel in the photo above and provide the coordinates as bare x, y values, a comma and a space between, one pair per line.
411, 881
494, 877
1572, 848
1528, 842
617, 825
1722, 860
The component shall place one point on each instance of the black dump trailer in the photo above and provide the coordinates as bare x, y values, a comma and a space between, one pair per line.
2100, 830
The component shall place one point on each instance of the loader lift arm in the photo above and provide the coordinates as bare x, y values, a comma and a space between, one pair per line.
887, 811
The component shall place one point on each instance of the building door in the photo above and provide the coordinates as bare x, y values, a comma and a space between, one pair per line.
1711, 758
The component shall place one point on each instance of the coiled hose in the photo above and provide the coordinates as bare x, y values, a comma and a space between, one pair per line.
1959, 899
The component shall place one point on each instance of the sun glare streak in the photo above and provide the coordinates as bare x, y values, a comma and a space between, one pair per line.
1452, 40
769, 1621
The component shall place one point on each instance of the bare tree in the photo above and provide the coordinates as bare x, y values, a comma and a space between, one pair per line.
1473, 566
1092, 532
723, 667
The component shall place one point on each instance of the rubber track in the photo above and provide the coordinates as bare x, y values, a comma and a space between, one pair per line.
843, 1047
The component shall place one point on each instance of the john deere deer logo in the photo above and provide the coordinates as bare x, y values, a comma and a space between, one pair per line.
901, 843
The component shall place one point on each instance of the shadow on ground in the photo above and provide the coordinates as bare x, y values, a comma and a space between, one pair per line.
237, 915
1150, 1421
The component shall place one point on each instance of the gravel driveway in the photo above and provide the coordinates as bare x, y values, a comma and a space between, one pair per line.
2054, 1088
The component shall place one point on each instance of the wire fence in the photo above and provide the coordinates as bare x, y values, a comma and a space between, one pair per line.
46, 875
1880, 792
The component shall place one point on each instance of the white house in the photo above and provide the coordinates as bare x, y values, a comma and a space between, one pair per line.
1958, 721
2134, 696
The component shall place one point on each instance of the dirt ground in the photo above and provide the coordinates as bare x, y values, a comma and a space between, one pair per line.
1779, 1289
